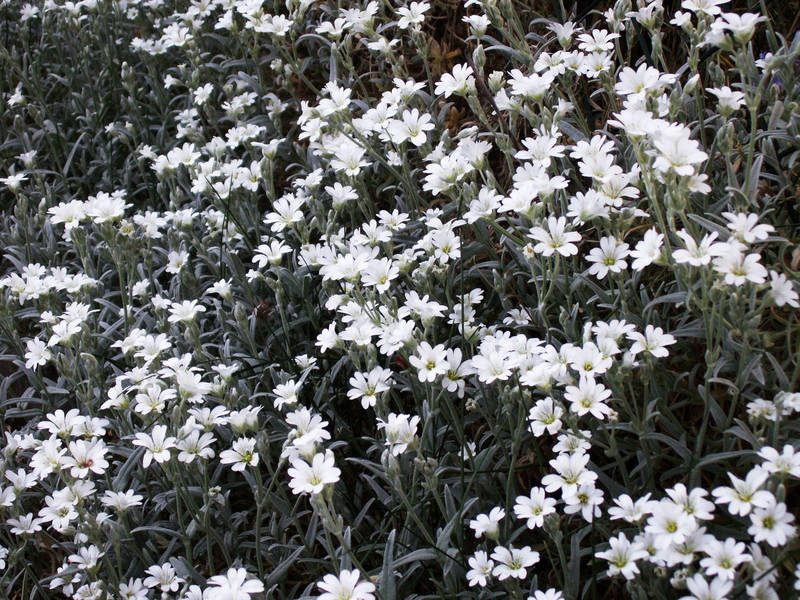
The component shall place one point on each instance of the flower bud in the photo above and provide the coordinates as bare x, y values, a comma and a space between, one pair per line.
479, 58
691, 84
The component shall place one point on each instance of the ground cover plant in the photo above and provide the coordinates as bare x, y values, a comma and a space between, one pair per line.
377, 300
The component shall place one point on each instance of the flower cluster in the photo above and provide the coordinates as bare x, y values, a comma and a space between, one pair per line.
299, 304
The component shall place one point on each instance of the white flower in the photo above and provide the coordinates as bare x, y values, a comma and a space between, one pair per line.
772, 524
563, 31
584, 207
328, 338
345, 587
106, 207
443, 174
382, 45
644, 79
548, 594
380, 273
156, 447
586, 499
534, 507
488, 524
693, 502
70, 213
742, 26
17, 97
694, 254
413, 15
513, 562
176, 261
447, 245
459, 82
653, 342
286, 393
786, 462
745, 493
541, 149
480, 568
367, 386
394, 336
86, 558
782, 290
63, 332
340, 194
400, 431
37, 354
311, 479
637, 123
430, 362
676, 151
599, 40
139, 288
134, 589
286, 212
571, 472
533, 86
555, 238
761, 590
412, 127
457, 370
61, 423
708, 7
728, 101
648, 250
723, 557
194, 445
670, 523
25, 524
790, 402
241, 454
86, 456
588, 397
739, 268
14, 180
589, 359
630, 511
163, 577
545, 416
184, 312
477, 23
622, 556
48, 458
203, 93
270, 254
700, 589
233, 586
121, 501
763, 568
492, 367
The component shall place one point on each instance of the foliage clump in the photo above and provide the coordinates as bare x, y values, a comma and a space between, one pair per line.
311, 300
